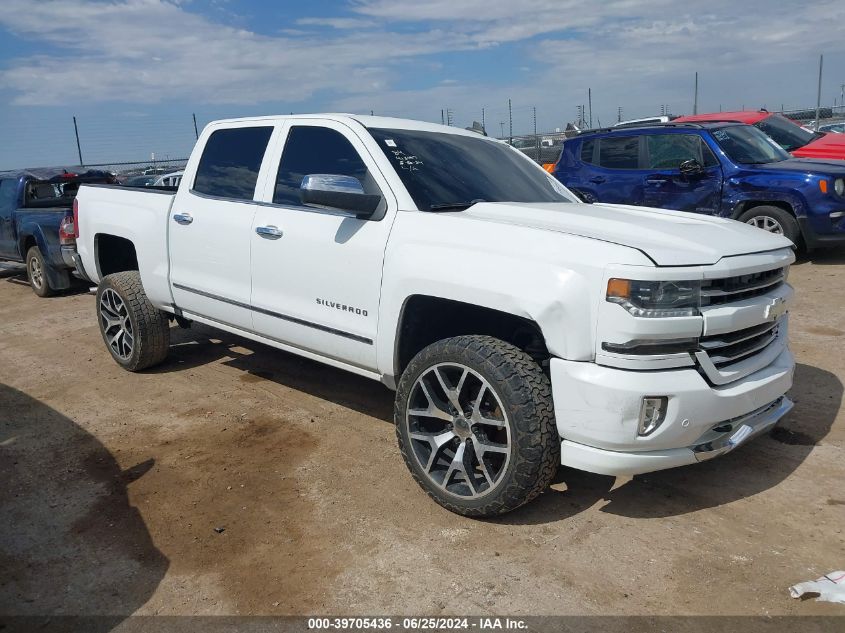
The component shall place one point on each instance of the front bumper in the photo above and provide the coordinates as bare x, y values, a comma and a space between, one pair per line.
597, 411
813, 239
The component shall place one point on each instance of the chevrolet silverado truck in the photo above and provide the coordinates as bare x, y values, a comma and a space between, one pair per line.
36, 223
520, 328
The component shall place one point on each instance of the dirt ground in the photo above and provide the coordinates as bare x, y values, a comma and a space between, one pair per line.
237, 479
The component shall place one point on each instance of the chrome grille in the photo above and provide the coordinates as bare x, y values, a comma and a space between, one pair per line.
730, 289
732, 347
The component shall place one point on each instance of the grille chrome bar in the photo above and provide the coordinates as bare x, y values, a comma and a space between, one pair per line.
745, 350
718, 341
752, 288
728, 289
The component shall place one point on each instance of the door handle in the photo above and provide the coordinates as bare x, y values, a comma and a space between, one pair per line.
270, 232
597, 179
183, 218
656, 181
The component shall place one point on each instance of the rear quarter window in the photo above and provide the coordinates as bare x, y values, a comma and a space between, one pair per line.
230, 162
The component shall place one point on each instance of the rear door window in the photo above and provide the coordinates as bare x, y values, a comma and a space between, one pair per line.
619, 152
230, 162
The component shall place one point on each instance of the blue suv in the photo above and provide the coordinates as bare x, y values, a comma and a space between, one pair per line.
725, 169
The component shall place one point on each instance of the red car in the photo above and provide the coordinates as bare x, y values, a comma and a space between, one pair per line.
800, 142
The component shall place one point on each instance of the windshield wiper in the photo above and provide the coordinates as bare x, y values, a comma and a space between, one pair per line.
455, 206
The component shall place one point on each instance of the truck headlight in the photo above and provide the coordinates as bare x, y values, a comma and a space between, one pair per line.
839, 186
656, 298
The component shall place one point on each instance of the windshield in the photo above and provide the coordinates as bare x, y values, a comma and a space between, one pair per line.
746, 144
785, 133
443, 170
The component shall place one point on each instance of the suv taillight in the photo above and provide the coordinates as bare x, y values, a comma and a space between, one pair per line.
67, 231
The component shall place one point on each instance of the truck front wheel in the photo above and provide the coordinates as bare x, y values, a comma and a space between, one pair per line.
36, 273
475, 425
136, 333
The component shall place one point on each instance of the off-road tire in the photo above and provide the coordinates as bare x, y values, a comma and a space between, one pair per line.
38, 281
525, 393
788, 224
150, 326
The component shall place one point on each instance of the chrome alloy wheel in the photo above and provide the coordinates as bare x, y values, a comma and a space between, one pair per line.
117, 327
36, 273
459, 430
766, 223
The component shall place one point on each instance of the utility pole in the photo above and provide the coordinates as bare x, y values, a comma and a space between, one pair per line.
536, 138
510, 123
502, 126
695, 101
78, 147
590, 102
619, 114
442, 117
483, 122
535, 120
819, 97
196, 131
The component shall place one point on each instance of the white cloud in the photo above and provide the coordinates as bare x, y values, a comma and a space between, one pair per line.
634, 54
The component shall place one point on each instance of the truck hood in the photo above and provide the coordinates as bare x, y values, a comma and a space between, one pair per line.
835, 168
831, 145
668, 238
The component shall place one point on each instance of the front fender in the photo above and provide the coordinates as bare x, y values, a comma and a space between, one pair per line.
550, 278
737, 193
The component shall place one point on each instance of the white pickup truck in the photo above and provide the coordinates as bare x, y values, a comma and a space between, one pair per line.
520, 328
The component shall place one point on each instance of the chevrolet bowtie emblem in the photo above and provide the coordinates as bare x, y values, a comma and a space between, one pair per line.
776, 308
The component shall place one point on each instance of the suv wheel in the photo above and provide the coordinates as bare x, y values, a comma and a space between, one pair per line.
773, 220
475, 425
136, 333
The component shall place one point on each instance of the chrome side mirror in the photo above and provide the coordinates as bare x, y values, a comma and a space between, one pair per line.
335, 191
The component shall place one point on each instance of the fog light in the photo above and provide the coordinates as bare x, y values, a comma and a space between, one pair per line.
652, 414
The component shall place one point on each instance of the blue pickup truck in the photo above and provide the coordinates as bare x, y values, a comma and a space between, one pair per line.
721, 168
37, 223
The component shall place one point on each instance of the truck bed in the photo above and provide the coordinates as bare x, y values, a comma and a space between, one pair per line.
107, 207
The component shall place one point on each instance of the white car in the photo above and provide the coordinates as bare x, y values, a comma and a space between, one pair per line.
169, 180
521, 328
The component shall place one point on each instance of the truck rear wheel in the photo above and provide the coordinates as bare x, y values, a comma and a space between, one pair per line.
773, 220
475, 425
36, 273
136, 333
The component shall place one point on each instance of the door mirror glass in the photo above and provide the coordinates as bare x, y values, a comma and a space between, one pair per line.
335, 191
690, 167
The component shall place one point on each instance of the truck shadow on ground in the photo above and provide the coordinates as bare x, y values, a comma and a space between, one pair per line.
70, 542
823, 257
754, 468
761, 464
201, 345
16, 274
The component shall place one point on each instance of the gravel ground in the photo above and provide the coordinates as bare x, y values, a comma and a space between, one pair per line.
237, 479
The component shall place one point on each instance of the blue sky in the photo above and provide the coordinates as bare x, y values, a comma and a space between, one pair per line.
134, 71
